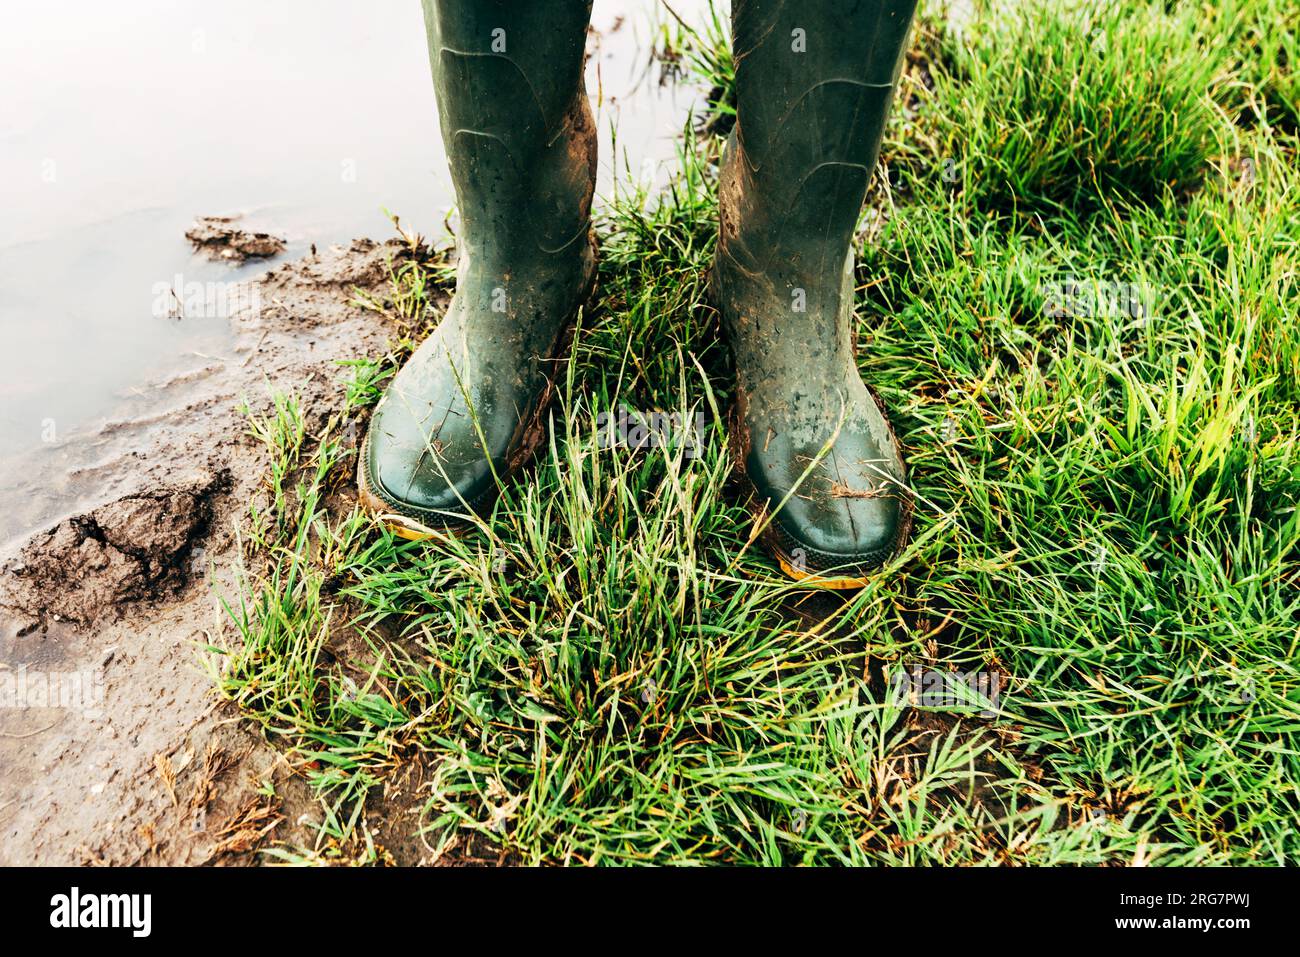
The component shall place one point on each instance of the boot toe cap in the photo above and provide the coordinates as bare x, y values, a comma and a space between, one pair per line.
850, 534
404, 478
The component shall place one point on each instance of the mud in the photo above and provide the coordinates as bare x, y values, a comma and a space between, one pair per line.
219, 237
113, 748
90, 566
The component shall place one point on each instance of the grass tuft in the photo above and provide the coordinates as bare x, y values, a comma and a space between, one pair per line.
1046, 106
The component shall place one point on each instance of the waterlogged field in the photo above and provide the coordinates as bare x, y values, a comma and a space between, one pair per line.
1077, 295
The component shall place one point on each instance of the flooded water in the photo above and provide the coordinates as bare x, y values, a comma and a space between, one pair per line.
122, 122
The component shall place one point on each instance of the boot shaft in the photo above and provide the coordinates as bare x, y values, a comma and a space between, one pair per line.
515, 120
814, 84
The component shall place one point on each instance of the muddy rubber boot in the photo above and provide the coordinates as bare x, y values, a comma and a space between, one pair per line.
468, 407
814, 84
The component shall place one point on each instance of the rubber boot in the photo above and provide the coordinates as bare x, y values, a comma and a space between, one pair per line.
814, 84
468, 407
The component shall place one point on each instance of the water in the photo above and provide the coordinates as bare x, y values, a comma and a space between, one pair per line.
121, 123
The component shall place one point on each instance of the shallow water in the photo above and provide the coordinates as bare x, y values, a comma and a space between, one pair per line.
123, 122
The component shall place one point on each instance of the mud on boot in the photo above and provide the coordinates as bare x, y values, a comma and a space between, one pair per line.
468, 408
814, 84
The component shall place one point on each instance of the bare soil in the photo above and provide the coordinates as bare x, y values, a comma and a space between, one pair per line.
124, 592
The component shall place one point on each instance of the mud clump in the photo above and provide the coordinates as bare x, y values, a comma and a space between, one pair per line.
91, 567
220, 238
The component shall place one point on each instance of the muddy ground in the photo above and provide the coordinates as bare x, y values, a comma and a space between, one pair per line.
108, 607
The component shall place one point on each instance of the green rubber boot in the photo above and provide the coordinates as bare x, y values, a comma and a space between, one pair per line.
814, 84
468, 408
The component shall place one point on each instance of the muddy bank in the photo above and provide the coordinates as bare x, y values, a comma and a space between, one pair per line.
113, 747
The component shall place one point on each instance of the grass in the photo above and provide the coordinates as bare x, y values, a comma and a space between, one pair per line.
1101, 101
1085, 325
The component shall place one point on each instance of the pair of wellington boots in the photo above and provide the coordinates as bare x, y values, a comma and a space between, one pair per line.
814, 83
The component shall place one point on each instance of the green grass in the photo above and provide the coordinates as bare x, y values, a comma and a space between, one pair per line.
1098, 101
608, 671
